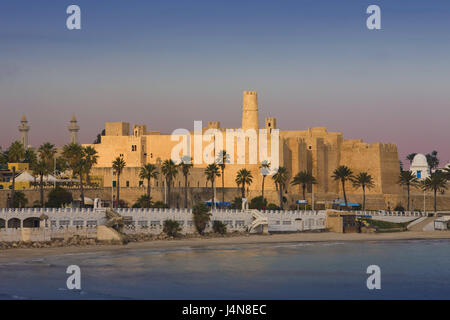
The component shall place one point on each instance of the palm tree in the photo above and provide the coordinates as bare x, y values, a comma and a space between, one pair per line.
186, 165
30, 157
280, 179
91, 159
410, 157
304, 179
74, 156
342, 174
363, 180
47, 153
211, 172
169, 170
43, 167
72, 153
265, 170
118, 165
408, 179
432, 159
3, 156
79, 168
436, 182
61, 164
16, 152
148, 172
222, 160
243, 177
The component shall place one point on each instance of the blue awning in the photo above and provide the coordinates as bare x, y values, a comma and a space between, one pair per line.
302, 201
349, 204
218, 203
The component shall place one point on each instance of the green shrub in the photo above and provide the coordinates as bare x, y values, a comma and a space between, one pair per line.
159, 204
143, 201
20, 200
202, 216
399, 207
272, 206
58, 197
237, 203
171, 228
219, 227
258, 203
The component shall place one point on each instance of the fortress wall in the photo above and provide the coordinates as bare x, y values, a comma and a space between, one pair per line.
318, 163
310, 153
159, 148
359, 157
390, 168
113, 146
298, 152
333, 160
117, 129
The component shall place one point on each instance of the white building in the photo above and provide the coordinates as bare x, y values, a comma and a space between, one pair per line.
420, 167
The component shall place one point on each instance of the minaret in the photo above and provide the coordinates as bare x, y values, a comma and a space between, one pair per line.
250, 110
24, 128
73, 128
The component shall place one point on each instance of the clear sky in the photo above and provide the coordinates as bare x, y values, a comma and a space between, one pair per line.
167, 63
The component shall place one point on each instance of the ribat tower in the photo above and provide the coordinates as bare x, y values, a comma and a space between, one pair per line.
250, 110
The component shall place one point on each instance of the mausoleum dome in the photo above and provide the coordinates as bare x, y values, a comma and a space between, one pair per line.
419, 167
419, 161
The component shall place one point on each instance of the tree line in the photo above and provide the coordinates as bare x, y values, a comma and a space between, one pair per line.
44, 161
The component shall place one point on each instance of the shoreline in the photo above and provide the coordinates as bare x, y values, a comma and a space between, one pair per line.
19, 253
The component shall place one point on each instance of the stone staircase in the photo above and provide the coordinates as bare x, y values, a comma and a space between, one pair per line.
260, 222
419, 226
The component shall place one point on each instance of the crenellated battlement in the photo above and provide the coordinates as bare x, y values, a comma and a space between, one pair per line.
388, 147
213, 124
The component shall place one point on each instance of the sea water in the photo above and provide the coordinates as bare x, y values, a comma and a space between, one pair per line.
415, 269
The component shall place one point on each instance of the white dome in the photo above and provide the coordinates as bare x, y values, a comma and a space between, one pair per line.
419, 161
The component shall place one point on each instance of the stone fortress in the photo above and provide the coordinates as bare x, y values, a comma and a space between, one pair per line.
316, 150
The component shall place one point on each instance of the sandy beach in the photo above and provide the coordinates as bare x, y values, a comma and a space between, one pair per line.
238, 240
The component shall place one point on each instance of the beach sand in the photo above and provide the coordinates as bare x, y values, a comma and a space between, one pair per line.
219, 241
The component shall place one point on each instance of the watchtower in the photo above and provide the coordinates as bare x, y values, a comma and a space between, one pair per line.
250, 110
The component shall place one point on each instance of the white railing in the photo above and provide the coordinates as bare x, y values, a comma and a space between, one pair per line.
391, 214
152, 219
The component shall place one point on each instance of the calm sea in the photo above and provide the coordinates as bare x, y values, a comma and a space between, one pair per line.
409, 270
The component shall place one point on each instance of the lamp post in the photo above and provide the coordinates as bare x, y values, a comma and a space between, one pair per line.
112, 188
424, 203
165, 191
